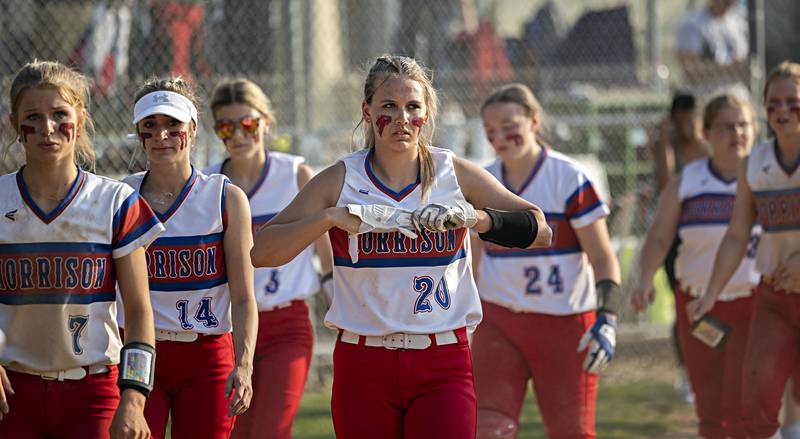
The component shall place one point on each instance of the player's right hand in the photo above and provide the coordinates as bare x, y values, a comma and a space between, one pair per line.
129, 422
5, 389
699, 307
344, 220
643, 296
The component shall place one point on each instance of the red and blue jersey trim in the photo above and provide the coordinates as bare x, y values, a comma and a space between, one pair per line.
164, 217
582, 201
47, 218
186, 263
397, 196
706, 209
380, 250
56, 273
778, 210
132, 220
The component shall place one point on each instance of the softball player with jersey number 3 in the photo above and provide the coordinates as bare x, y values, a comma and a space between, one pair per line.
398, 213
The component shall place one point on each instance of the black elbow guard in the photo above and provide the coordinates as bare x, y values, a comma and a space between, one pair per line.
511, 229
137, 367
609, 296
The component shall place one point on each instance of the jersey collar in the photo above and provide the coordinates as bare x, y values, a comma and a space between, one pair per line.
47, 218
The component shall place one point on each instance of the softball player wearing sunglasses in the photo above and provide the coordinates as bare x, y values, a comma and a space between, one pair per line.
244, 116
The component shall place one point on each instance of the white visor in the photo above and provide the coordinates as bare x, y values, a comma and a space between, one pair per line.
167, 103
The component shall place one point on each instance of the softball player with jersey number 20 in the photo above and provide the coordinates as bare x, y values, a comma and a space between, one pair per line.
398, 213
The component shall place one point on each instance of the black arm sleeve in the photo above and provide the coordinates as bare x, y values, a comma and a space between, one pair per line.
609, 296
511, 229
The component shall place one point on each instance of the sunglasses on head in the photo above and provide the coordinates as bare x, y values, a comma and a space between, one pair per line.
225, 128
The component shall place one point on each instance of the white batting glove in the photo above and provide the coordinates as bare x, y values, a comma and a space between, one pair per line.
601, 339
380, 218
440, 218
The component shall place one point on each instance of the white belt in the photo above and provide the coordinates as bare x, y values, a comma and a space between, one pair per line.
186, 337
281, 305
400, 340
76, 373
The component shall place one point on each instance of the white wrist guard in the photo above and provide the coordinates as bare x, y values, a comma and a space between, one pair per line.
137, 367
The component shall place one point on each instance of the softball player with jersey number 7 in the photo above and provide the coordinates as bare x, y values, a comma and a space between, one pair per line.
67, 237
398, 213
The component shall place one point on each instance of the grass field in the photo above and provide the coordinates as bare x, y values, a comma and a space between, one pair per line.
636, 401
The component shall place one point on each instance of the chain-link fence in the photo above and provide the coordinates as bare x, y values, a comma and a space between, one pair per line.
604, 70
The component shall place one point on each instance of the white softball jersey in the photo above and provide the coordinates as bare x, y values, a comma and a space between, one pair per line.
706, 206
559, 279
186, 264
776, 193
276, 188
398, 284
57, 278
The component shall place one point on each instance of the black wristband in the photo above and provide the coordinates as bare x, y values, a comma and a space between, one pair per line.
609, 296
511, 229
325, 277
137, 366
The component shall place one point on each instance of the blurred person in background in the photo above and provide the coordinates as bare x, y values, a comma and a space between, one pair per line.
201, 278
243, 118
696, 205
712, 45
550, 315
679, 141
768, 190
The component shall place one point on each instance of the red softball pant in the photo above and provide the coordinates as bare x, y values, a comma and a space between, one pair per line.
771, 357
716, 374
190, 385
510, 348
67, 409
403, 393
283, 355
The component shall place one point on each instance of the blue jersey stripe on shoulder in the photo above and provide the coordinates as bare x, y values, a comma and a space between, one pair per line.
435, 261
177, 285
138, 232
188, 240
57, 298
587, 209
31, 249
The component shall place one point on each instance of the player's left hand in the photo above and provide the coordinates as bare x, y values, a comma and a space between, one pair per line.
787, 275
129, 422
440, 218
239, 386
601, 339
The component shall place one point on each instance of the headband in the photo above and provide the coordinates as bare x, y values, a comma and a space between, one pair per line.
167, 103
